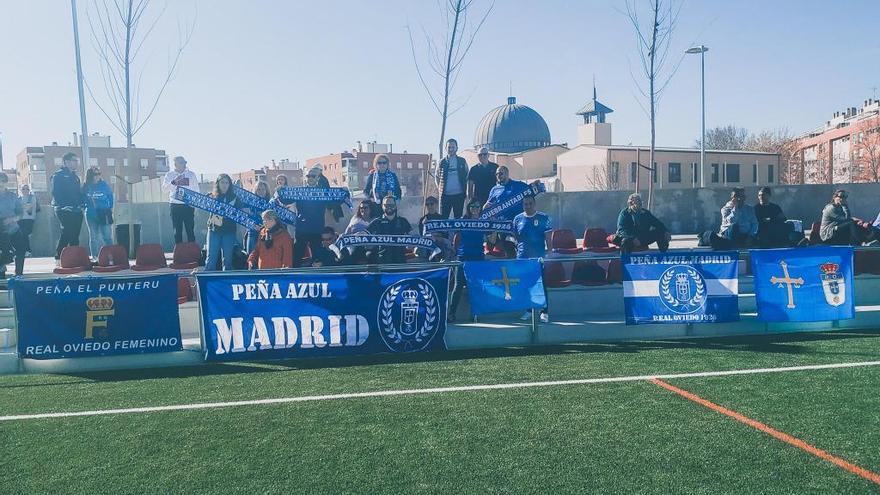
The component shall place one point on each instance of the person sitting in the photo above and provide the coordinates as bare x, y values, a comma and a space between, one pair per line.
431, 213
839, 227
738, 223
274, 247
323, 256
638, 227
389, 224
361, 219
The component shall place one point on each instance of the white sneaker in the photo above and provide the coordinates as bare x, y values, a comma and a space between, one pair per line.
526, 316
545, 318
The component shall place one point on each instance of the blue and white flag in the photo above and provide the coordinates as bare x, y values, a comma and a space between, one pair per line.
363, 239
804, 284
514, 201
504, 286
328, 194
211, 205
261, 204
470, 224
272, 316
96, 316
680, 288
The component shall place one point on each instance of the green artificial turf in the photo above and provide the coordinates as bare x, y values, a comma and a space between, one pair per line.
632, 437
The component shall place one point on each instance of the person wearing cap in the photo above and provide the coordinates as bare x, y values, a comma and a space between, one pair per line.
382, 182
431, 213
481, 177
452, 181
67, 201
182, 214
638, 227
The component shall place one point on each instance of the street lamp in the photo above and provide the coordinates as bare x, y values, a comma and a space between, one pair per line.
702, 49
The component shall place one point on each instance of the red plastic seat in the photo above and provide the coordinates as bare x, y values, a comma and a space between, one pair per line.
554, 275
184, 290
615, 272
814, 233
74, 259
596, 241
112, 259
186, 256
149, 257
562, 241
588, 273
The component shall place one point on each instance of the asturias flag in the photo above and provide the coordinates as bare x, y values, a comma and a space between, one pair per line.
804, 284
504, 286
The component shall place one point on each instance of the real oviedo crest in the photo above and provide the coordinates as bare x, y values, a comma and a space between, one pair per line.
833, 284
682, 289
409, 315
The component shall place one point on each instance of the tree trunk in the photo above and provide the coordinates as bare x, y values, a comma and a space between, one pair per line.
127, 68
653, 96
446, 79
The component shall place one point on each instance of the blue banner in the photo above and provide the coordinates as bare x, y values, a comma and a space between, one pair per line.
211, 205
470, 224
272, 316
328, 194
504, 286
363, 239
261, 205
680, 288
513, 201
77, 317
804, 284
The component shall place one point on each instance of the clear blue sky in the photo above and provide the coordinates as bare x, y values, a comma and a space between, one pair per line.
293, 79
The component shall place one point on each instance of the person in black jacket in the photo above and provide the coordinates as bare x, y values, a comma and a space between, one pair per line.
638, 227
389, 224
67, 201
221, 230
452, 176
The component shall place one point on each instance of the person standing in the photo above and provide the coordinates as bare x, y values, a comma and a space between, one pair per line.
274, 247
67, 201
221, 231
30, 207
382, 182
11, 241
505, 189
99, 210
182, 215
533, 230
389, 224
481, 177
638, 227
470, 248
309, 221
452, 181
261, 189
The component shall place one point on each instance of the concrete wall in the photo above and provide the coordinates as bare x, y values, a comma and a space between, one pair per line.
685, 211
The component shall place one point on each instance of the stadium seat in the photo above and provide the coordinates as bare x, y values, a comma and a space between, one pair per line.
814, 233
495, 252
615, 272
554, 275
562, 241
588, 273
112, 259
149, 257
186, 256
74, 259
596, 241
184, 290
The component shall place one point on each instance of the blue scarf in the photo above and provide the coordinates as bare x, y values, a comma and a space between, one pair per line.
470, 225
327, 194
384, 183
262, 204
513, 201
355, 240
211, 205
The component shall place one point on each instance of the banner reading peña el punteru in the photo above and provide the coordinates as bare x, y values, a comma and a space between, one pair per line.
96, 316
680, 287
281, 315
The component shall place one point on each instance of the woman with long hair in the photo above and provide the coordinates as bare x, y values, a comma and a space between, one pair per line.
261, 189
382, 181
470, 248
361, 218
221, 231
99, 210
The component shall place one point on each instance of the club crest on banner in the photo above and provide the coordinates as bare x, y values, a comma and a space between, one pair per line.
682, 289
409, 315
833, 284
99, 311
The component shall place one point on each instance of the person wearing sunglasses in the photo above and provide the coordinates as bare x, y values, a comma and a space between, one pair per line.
361, 219
99, 210
382, 182
452, 181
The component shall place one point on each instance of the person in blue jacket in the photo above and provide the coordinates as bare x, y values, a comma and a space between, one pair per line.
99, 210
470, 248
67, 201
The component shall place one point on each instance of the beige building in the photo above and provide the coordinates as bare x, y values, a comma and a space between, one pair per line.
526, 165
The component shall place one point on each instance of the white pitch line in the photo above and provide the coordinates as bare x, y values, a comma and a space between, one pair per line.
437, 390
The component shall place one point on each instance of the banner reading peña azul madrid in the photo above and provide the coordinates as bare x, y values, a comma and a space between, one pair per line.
76, 317
279, 315
680, 288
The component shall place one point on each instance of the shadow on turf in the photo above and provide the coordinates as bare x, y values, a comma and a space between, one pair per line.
777, 343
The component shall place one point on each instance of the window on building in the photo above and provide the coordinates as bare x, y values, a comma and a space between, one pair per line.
58, 162
695, 174
770, 173
399, 165
111, 162
731, 173
409, 165
366, 164
615, 173
715, 167
113, 179
145, 163
125, 162
145, 177
421, 166
37, 164
755, 173
674, 172
654, 173
93, 162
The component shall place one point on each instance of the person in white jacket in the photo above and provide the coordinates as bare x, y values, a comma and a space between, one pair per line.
182, 215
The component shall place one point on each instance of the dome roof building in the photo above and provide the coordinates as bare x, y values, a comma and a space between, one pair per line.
512, 128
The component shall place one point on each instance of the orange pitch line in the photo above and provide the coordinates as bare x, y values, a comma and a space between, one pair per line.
784, 437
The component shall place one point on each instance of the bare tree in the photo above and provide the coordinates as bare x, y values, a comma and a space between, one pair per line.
119, 32
866, 152
728, 137
602, 178
782, 142
445, 62
654, 38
